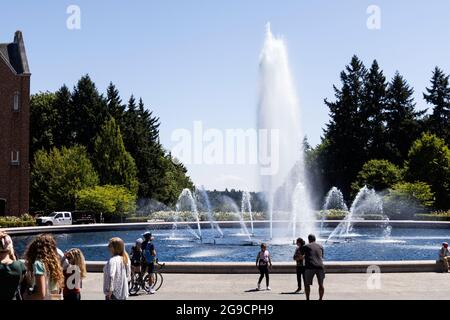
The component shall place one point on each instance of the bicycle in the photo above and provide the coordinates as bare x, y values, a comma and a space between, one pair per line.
140, 282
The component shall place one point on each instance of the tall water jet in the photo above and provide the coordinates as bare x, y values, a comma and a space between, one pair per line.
187, 201
302, 215
246, 206
280, 146
204, 195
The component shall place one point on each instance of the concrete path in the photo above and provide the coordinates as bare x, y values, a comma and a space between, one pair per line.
404, 286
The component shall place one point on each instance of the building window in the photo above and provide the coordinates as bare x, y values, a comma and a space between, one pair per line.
16, 102
2, 207
15, 160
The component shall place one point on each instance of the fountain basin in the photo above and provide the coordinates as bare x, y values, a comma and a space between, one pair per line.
407, 241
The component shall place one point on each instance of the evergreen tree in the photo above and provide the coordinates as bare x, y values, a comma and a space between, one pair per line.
373, 113
439, 97
90, 112
114, 164
344, 152
116, 108
403, 121
43, 119
65, 128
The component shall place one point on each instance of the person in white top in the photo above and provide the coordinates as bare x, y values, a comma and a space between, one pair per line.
264, 264
117, 271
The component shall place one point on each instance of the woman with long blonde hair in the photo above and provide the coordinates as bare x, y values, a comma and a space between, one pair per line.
117, 271
44, 269
74, 274
11, 271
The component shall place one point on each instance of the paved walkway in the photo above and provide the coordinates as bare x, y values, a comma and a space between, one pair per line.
402, 286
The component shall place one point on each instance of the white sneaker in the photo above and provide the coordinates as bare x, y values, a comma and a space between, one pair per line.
152, 291
269, 289
258, 288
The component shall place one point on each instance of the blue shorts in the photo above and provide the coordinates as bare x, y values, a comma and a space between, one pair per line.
148, 267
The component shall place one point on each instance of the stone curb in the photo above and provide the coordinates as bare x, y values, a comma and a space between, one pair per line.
288, 268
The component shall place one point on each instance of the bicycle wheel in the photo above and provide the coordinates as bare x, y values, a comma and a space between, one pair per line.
134, 285
146, 284
159, 279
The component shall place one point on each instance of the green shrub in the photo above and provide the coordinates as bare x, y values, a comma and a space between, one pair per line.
434, 216
429, 161
405, 199
378, 175
173, 216
332, 214
111, 201
14, 222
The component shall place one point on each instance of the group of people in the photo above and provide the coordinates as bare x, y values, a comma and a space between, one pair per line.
309, 259
47, 273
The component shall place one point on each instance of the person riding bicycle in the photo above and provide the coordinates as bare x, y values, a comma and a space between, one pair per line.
136, 256
148, 258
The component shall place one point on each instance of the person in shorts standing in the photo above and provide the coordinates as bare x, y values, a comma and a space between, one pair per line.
313, 253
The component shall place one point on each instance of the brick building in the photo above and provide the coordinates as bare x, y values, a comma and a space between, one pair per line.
14, 127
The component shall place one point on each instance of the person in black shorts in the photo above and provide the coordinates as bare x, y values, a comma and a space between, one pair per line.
148, 258
313, 253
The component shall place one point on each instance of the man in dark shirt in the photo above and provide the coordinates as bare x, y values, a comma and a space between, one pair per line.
313, 253
148, 258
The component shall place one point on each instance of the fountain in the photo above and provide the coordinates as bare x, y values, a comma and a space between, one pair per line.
333, 201
186, 200
280, 134
366, 202
231, 206
201, 193
301, 215
246, 206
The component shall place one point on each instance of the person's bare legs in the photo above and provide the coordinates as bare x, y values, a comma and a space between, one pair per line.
321, 292
445, 260
307, 291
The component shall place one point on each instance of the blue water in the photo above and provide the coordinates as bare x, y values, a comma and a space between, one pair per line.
369, 244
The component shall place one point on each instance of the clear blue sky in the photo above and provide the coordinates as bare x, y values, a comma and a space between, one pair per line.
198, 59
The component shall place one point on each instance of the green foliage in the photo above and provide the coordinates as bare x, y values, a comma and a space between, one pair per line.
402, 124
405, 199
109, 200
372, 112
91, 112
15, 222
374, 119
43, 118
429, 161
439, 97
434, 216
67, 119
57, 175
345, 146
378, 175
332, 214
185, 216
114, 164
